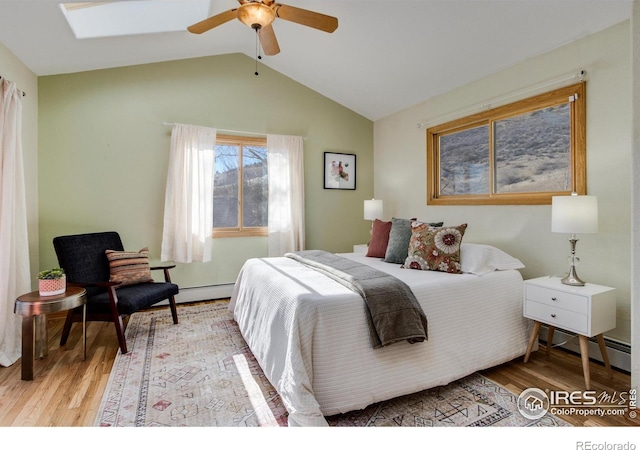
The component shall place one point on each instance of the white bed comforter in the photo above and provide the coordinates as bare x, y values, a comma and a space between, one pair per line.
309, 334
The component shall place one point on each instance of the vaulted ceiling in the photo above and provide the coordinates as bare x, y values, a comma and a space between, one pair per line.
385, 55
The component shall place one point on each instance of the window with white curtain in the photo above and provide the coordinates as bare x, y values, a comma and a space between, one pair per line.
232, 186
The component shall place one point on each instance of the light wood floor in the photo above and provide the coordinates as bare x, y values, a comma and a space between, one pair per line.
66, 391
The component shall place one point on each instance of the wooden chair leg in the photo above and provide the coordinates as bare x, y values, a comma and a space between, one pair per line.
116, 319
174, 309
66, 329
120, 332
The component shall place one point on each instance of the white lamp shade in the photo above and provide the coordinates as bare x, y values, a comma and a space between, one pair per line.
372, 209
574, 214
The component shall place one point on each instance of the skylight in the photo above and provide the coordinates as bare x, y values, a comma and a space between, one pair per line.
120, 18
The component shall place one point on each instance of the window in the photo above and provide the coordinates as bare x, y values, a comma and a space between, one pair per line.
240, 187
522, 153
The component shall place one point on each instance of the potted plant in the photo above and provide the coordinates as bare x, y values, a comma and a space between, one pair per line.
52, 282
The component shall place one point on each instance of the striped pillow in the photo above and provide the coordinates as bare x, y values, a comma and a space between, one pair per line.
129, 267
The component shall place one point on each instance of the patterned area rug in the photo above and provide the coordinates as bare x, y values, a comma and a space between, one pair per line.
201, 373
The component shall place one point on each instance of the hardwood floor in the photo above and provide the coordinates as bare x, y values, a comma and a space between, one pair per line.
66, 391
562, 371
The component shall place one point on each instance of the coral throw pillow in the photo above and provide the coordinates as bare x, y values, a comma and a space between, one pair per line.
379, 239
435, 248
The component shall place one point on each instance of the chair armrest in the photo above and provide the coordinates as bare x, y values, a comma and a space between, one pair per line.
167, 277
163, 267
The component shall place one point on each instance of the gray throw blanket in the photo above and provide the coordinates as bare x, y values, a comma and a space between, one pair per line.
394, 312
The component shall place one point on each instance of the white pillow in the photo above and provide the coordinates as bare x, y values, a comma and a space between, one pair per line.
480, 259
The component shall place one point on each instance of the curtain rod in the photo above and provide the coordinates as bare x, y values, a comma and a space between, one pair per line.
224, 131
24, 94
498, 101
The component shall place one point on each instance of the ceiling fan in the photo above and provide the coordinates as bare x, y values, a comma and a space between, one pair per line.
260, 14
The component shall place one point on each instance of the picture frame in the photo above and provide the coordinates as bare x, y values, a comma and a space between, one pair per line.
339, 171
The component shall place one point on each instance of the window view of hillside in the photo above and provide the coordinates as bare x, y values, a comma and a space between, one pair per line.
226, 190
520, 153
532, 153
464, 162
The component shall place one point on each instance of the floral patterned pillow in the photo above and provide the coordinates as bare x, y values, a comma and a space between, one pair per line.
435, 248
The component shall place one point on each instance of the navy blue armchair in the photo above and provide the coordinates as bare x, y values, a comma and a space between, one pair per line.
85, 263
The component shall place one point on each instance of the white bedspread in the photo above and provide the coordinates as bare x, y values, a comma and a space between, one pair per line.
309, 334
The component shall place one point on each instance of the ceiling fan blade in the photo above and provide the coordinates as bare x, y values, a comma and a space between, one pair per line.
268, 41
213, 21
305, 17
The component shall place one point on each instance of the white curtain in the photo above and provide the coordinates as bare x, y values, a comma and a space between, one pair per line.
286, 194
15, 275
188, 206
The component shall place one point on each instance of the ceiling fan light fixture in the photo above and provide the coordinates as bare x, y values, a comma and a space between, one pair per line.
256, 15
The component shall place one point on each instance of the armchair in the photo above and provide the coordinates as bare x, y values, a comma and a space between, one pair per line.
84, 259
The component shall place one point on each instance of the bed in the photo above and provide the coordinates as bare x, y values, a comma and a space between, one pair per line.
309, 333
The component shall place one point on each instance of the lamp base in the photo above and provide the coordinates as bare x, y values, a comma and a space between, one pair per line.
572, 278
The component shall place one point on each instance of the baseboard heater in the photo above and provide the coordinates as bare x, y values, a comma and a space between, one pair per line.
619, 352
200, 293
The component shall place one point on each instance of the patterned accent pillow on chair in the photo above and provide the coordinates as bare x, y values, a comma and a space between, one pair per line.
129, 267
435, 248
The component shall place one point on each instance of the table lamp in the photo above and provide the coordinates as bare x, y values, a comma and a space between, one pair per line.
372, 210
574, 214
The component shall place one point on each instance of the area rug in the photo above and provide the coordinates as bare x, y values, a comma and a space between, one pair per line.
200, 372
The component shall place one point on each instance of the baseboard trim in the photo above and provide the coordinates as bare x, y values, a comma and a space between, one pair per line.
200, 293
619, 352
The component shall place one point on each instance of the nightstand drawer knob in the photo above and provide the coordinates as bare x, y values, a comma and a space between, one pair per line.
553, 315
554, 298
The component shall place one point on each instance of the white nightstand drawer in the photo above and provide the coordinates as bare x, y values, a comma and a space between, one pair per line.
558, 317
554, 297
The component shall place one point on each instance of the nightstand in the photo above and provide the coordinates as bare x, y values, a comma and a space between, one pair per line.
588, 311
361, 249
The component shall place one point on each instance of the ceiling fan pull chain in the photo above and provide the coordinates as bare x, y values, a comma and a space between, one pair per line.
257, 50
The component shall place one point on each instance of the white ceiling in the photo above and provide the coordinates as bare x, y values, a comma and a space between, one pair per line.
385, 55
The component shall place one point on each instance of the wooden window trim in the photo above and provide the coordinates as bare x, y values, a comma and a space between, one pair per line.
244, 140
239, 232
578, 149
218, 233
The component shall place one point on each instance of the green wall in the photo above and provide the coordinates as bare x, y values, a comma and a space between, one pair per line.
525, 230
103, 153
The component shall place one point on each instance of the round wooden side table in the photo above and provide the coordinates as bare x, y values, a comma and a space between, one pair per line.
33, 308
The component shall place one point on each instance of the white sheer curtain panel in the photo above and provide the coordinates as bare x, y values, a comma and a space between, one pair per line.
286, 194
188, 206
15, 276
